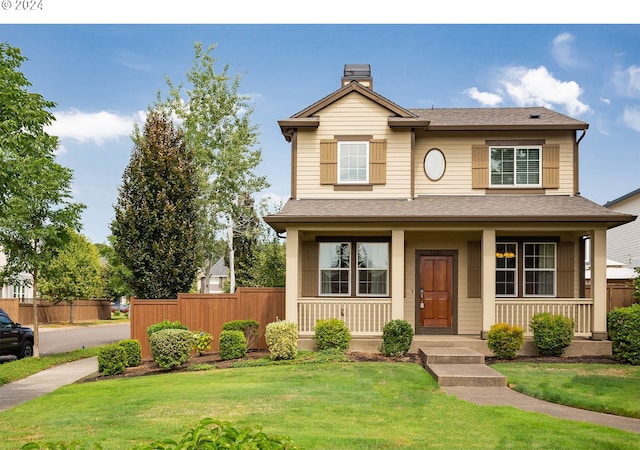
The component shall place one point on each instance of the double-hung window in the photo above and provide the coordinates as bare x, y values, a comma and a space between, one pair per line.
353, 162
539, 269
516, 166
526, 269
366, 272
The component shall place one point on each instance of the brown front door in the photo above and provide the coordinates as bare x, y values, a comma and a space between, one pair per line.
436, 291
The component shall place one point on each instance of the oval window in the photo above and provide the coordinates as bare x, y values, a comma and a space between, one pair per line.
434, 164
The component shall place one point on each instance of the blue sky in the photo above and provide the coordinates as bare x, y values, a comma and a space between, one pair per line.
103, 78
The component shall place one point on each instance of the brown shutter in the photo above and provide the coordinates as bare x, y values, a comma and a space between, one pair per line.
328, 161
551, 166
479, 166
309, 262
565, 269
378, 161
474, 269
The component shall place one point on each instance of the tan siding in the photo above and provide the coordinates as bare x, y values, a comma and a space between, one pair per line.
328, 161
565, 272
551, 166
457, 149
309, 261
354, 115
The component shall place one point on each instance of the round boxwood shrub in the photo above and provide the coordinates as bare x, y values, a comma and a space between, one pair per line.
332, 334
552, 333
282, 339
233, 344
171, 347
112, 360
624, 332
165, 325
133, 352
397, 336
250, 328
505, 340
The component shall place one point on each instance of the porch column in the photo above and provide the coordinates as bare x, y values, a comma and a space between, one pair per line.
397, 274
291, 290
599, 284
488, 280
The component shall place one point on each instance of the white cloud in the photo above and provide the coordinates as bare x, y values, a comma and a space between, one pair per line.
563, 52
605, 100
631, 118
538, 87
97, 127
628, 81
484, 98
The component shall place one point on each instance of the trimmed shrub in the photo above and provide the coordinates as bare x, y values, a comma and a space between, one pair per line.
233, 345
397, 336
171, 347
201, 342
112, 360
165, 325
133, 352
552, 333
624, 332
282, 339
250, 328
505, 340
332, 334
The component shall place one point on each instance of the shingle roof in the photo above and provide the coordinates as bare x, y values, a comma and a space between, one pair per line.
448, 208
493, 117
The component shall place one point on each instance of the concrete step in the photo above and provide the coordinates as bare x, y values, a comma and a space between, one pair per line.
450, 355
472, 375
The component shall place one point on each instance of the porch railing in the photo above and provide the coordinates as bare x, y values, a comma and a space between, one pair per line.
520, 311
363, 317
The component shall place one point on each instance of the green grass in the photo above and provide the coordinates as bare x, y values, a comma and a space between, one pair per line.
18, 369
333, 405
607, 388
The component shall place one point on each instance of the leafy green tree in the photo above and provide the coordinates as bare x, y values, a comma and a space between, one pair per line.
155, 231
217, 123
116, 277
74, 274
636, 285
271, 265
36, 212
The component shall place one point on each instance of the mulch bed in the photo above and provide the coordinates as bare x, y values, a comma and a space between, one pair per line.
148, 367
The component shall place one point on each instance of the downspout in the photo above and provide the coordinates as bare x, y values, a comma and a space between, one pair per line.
576, 164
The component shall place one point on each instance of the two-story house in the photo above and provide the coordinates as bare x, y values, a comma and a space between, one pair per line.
452, 219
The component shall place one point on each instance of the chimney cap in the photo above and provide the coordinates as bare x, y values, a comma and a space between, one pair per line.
357, 70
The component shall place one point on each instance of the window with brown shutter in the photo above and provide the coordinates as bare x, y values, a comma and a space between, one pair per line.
377, 160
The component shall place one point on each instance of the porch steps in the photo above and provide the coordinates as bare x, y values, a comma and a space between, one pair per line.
460, 366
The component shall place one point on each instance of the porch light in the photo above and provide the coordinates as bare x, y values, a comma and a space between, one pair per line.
507, 255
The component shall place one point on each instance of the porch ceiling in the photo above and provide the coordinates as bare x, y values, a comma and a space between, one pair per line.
448, 208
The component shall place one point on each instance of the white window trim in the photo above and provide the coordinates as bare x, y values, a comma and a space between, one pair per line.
554, 270
358, 269
515, 177
348, 270
366, 180
515, 270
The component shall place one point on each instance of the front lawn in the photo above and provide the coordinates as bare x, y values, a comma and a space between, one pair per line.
336, 405
607, 388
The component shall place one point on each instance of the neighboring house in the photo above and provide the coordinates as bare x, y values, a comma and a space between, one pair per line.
219, 273
452, 219
16, 290
623, 243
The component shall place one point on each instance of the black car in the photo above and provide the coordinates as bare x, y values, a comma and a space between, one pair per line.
14, 338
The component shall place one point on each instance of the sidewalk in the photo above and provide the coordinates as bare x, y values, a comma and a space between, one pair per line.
46, 381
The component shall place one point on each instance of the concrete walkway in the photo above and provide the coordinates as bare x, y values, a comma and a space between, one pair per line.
49, 380
46, 381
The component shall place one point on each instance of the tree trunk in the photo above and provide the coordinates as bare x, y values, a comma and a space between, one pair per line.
232, 271
36, 334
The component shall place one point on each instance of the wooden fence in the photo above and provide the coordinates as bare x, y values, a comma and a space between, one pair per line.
208, 312
618, 295
83, 311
